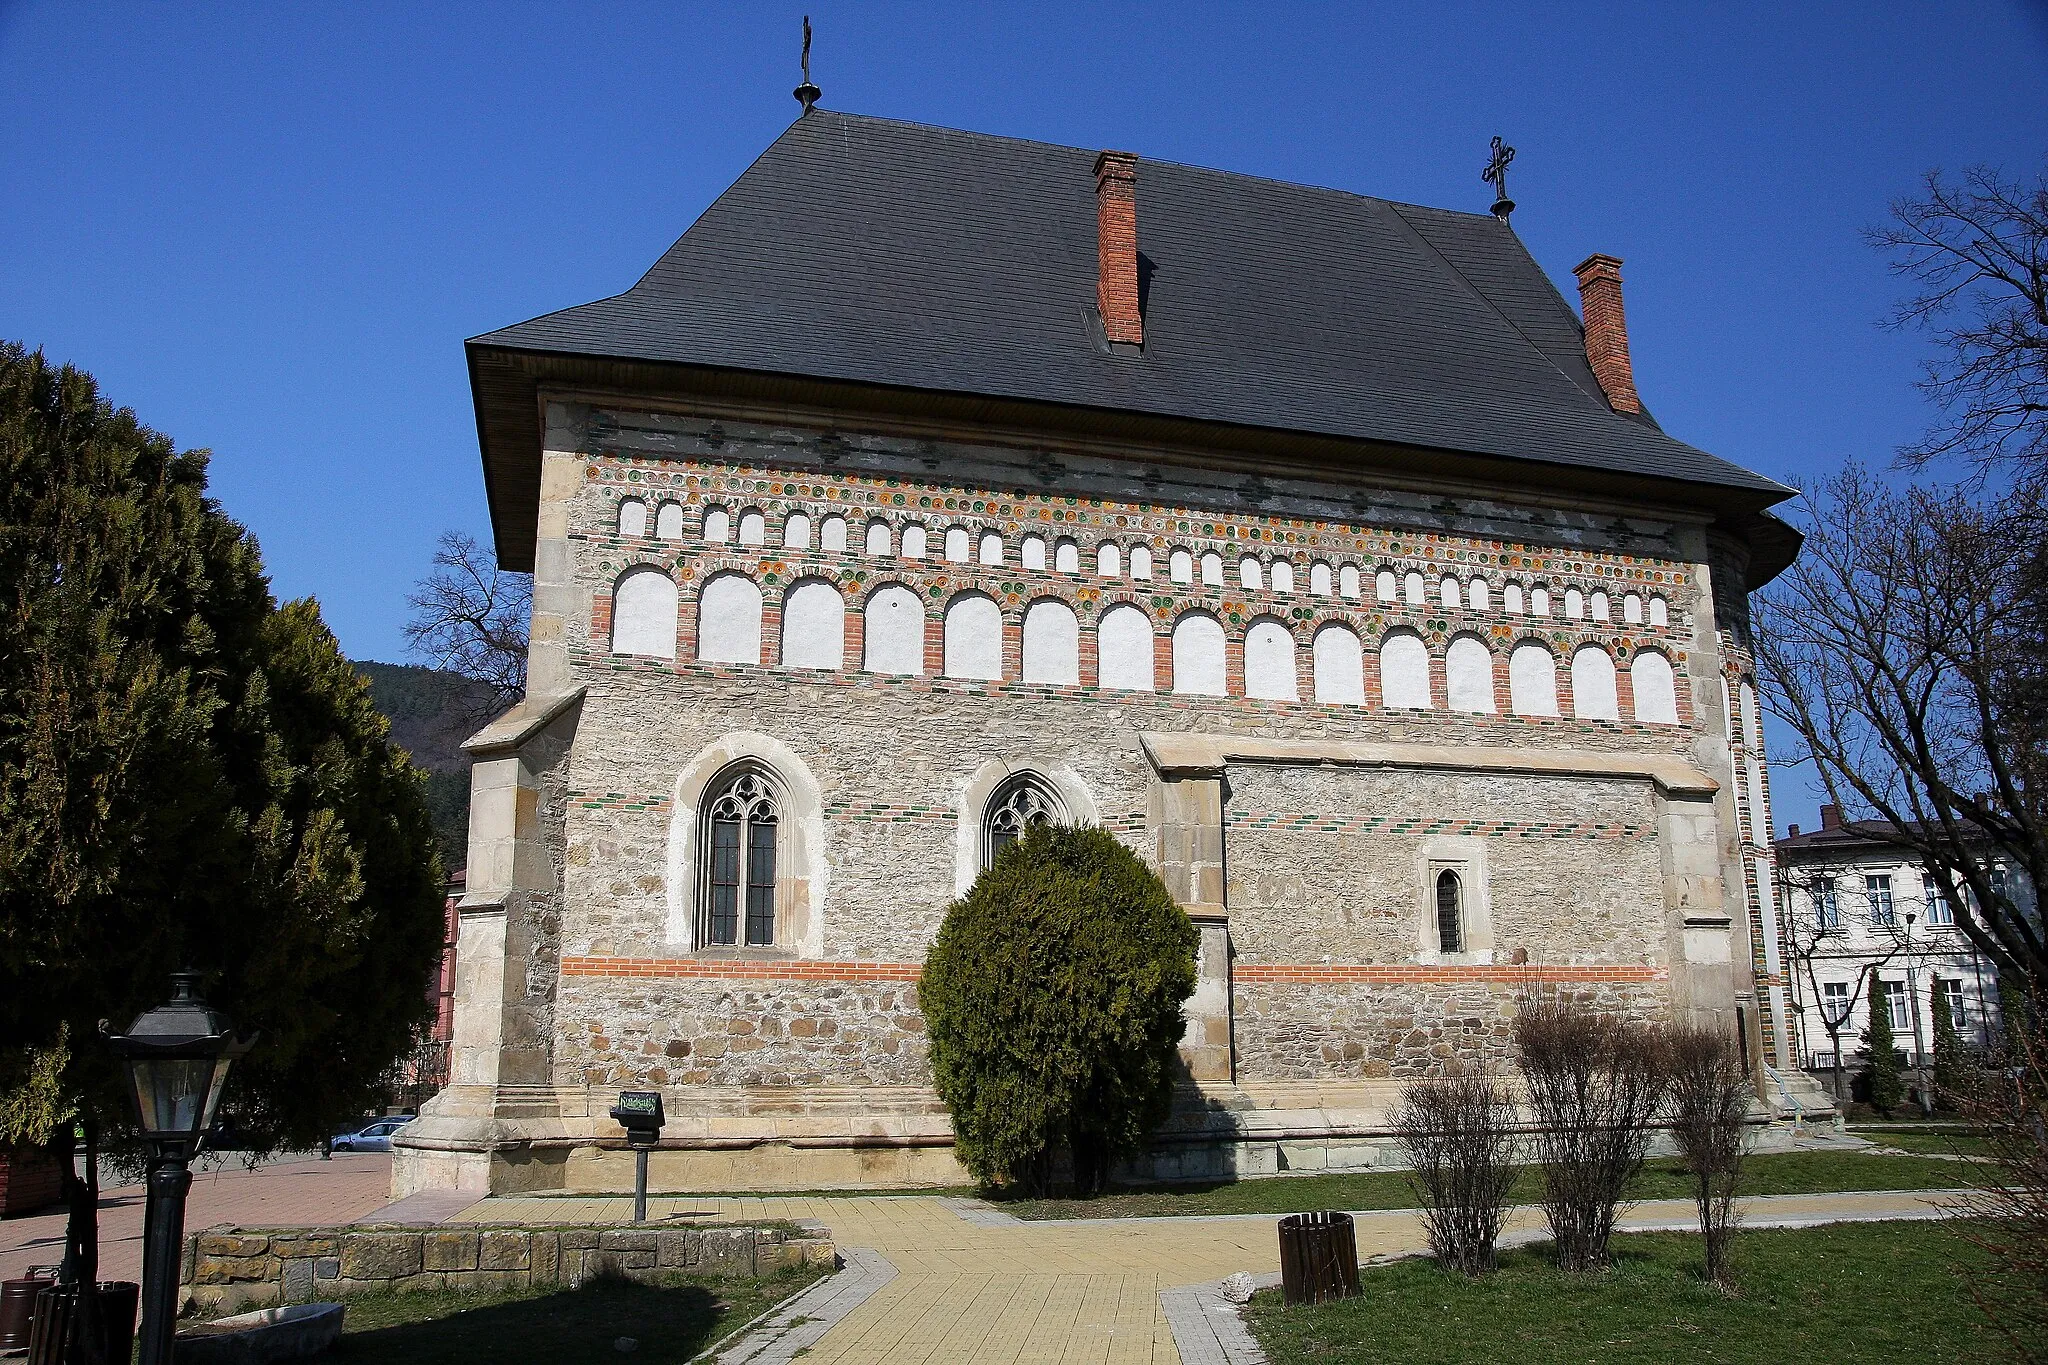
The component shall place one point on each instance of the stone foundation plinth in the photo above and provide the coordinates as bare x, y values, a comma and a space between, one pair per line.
230, 1269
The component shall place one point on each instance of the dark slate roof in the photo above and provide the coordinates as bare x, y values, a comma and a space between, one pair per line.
868, 250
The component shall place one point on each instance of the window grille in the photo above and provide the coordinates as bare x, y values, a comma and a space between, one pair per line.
739, 901
1024, 801
1450, 918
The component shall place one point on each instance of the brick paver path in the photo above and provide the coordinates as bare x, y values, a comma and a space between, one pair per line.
311, 1192
998, 1290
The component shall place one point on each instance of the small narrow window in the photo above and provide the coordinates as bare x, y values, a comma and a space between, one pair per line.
739, 901
1450, 914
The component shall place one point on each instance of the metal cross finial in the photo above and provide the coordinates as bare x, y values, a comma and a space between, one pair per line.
1496, 175
807, 94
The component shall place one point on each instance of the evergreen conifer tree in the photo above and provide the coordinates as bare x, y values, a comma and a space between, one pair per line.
1053, 996
1951, 1060
1887, 1085
190, 776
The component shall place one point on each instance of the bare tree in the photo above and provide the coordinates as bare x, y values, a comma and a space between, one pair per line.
1459, 1134
2009, 1206
470, 617
1977, 251
1896, 649
1816, 935
1595, 1083
1710, 1094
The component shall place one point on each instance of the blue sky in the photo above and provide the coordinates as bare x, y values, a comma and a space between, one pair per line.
269, 228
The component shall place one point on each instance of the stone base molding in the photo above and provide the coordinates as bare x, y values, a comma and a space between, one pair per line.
231, 1268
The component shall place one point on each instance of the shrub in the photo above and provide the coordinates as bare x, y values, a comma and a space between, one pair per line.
1053, 996
1951, 1059
2009, 1102
1887, 1081
1595, 1082
1710, 1094
1459, 1134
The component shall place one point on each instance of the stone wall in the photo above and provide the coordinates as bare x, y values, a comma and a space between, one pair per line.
228, 1269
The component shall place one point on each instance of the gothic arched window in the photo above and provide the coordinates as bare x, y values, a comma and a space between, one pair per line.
740, 826
1024, 800
1450, 913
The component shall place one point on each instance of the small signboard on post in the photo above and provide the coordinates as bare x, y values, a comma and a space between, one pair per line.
639, 1112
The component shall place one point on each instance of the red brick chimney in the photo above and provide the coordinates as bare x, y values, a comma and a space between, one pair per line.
1116, 226
1607, 331
1830, 815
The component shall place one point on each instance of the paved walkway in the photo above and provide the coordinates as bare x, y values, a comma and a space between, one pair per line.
301, 1191
972, 1284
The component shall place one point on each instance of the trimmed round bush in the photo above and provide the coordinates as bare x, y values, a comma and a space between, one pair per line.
1053, 996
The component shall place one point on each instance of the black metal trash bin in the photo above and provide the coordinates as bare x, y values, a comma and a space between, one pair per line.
55, 1307
1318, 1257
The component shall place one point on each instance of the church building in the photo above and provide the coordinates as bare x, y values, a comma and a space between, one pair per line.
933, 485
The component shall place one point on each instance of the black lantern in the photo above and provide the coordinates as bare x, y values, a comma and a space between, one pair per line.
177, 1056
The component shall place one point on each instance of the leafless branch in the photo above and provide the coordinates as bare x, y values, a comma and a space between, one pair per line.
470, 617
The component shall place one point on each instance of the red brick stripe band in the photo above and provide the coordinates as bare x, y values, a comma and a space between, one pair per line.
1372, 973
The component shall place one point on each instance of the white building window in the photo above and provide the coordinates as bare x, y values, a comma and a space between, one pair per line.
1413, 590
1632, 609
1212, 569
991, 548
632, 517
1951, 989
1180, 567
1348, 583
1249, 576
1032, 553
1827, 911
1449, 595
1834, 1004
753, 527
1141, 561
1108, 562
1066, 557
796, 531
742, 823
1283, 576
832, 535
1600, 608
1476, 595
1319, 579
1660, 614
1877, 890
1511, 599
717, 525
1385, 586
1896, 1005
914, 537
956, 545
878, 539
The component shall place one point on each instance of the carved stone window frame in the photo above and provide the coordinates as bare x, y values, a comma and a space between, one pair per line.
1465, 855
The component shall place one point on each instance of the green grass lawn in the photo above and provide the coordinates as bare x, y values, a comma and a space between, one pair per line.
670, 1322
1845, 1294
1778, 1173
1943, 1142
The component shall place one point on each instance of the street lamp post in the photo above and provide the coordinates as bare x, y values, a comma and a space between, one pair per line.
177, 1056
1913, 1001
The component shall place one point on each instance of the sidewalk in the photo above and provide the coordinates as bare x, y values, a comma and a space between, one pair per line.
973, 1284
305, 1191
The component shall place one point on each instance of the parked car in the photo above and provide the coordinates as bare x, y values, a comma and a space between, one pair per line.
375, 1137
